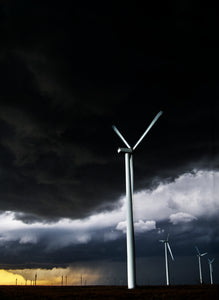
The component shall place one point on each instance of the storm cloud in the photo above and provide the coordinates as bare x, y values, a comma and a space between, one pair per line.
68, 73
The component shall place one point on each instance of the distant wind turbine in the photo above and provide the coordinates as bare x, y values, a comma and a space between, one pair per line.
131, 272
167, 246
199, 255
210, 262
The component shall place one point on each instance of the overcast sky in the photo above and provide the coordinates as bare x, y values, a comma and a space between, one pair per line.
68, 73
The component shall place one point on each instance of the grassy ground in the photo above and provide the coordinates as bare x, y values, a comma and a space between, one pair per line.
187, 292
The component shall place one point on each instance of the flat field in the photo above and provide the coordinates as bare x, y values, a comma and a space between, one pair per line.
186, 292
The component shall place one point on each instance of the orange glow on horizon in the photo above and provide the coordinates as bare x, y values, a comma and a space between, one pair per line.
55, 276
8, 278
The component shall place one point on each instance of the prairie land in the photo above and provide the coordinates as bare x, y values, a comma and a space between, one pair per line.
187, 292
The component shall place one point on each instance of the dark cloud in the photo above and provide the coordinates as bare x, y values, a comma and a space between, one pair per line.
68, 72
109, 257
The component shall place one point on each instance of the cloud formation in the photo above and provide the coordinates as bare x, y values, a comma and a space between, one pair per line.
67, 75
181, 217
139, 226
187, 199
195, 194
58, 104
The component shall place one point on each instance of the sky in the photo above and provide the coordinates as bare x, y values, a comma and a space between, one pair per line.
69, 71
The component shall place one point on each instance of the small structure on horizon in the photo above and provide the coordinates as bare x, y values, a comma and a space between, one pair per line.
199, 255
210, 262
167, 246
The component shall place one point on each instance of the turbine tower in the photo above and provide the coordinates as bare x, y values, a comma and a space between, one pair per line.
199, 255
167, 246
129, 195
210, 262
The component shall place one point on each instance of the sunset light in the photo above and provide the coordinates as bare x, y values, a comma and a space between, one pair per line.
8, 278
55, 276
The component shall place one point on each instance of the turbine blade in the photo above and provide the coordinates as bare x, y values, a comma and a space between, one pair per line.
210, 264
121, 137
204, 253
162, 241
197, 250
146, 131
213, 259
171, 254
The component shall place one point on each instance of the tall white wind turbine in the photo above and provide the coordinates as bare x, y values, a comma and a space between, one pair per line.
167, 246
199, 255
210, 262
131, 272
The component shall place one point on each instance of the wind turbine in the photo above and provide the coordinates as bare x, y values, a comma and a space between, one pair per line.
129, 195
167, 246
199, 255
210, 262
35, 278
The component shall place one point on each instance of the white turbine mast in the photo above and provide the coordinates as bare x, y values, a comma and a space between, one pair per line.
210, 262
167, 246
199, 255
131, 272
